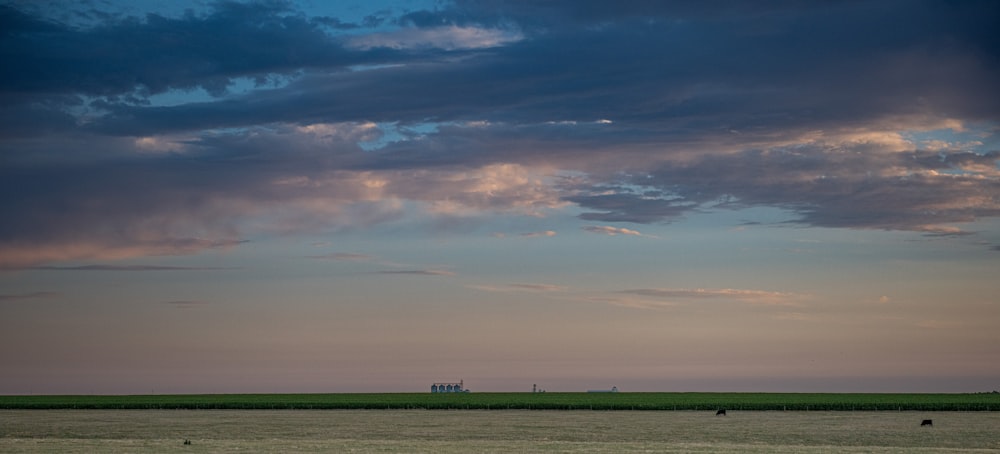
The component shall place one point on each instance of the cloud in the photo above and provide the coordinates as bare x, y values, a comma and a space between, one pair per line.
569, 65
427, 272
105, 267
631, 302
345, 256
28, 254
181, 205
794, 316
27, 296
483, 108
829, 187
447, 37
185, 304
939, 324
540, 234
157, 53
612, 231
628, 207
521, 287
538, 287
544, 233
742, 295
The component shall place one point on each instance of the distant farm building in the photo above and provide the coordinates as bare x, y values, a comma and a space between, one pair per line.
613, 389
449, 387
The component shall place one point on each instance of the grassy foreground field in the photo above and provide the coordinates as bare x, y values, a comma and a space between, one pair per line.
420, 431
523, 401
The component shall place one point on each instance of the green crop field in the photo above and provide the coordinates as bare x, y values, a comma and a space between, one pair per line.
524, 401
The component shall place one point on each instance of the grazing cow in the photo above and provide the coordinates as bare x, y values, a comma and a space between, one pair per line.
721, 412
927, 422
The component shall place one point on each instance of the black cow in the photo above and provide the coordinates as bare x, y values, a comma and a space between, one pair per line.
927, 422
721, 412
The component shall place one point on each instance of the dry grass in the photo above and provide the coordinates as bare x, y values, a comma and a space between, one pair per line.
493, 431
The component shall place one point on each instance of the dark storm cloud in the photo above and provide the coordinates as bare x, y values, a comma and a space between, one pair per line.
635, 111
50, 67
705, 60
798, 69
156, 53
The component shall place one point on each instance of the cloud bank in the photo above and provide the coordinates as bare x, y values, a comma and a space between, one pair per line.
132, 137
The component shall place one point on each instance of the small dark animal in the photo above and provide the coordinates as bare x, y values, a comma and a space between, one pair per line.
927, 422
187, 442
721, 412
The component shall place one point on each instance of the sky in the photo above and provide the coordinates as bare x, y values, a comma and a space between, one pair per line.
373, 196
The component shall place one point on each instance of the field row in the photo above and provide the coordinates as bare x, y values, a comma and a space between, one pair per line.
524, 401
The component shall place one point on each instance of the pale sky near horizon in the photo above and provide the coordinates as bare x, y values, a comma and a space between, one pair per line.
307, 196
